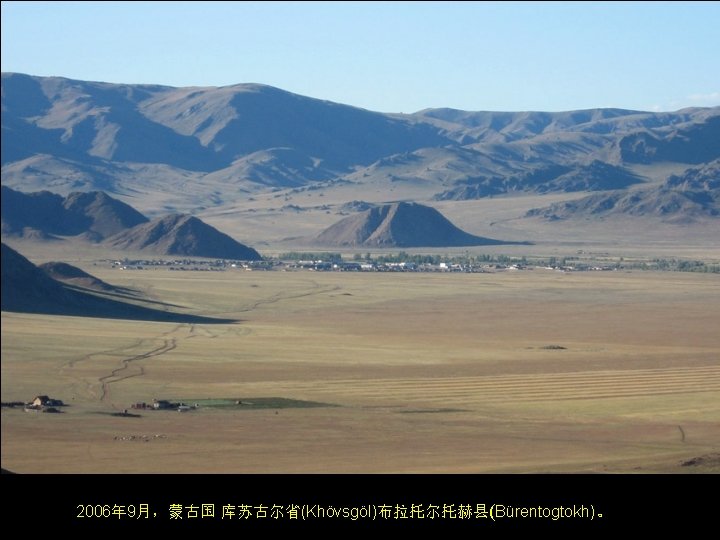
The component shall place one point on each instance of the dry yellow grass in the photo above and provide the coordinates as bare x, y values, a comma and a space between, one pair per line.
429, 373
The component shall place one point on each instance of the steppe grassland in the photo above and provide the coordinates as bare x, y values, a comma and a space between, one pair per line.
427, 372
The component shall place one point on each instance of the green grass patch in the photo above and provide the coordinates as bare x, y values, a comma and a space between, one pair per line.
416, 411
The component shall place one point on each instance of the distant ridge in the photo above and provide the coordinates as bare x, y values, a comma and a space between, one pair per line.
399, 225
182, 234
43, 213
684, 198
596, 176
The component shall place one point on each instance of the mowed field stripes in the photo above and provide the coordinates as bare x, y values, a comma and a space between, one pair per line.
514, 388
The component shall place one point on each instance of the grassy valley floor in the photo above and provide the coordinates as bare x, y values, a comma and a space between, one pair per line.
535, 371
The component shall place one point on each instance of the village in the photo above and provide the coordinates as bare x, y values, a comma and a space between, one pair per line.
333, 262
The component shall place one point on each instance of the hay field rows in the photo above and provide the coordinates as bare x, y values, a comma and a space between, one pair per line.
508, 372
475, 391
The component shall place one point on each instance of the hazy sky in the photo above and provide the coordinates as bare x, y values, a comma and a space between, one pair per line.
387, 56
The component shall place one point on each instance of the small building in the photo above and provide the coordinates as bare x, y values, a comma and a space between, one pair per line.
162, 404
45, 401
39, 401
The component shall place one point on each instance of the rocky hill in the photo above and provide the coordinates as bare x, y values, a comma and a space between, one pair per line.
94, 214
399, 225
181, 234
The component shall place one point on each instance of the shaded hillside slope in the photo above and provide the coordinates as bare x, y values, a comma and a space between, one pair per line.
28, 289
94, 213
683, 198
72, 275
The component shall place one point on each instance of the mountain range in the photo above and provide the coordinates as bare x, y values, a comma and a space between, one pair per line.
68, 135
206, 150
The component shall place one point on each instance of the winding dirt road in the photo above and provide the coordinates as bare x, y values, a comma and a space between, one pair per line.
163, 343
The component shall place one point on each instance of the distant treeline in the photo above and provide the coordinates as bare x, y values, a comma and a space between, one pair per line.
570, 262
310, 256
674, 265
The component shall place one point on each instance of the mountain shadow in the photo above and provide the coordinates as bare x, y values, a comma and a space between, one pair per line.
28, 289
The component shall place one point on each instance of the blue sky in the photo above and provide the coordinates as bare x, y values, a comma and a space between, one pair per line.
387, 56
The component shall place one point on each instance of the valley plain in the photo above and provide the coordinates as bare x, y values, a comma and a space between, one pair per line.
532, 371
532, 368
